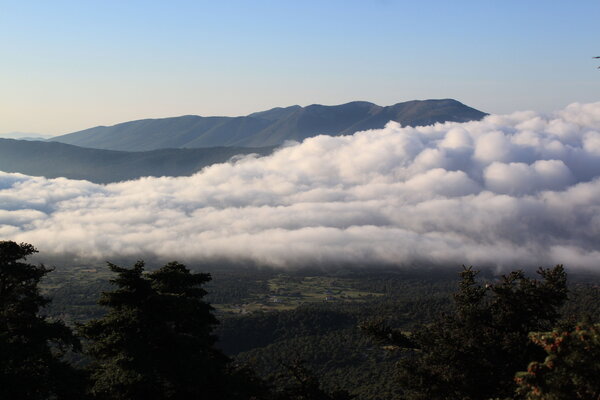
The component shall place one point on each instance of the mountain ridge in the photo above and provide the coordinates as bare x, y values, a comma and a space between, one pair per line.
54, 159
266, 128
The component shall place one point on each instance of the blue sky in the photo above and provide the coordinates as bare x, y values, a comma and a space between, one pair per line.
69, 65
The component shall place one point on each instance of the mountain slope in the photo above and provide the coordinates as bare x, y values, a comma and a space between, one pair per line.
52, 160
266, 128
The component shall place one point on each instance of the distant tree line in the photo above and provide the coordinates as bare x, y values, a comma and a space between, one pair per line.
502, 340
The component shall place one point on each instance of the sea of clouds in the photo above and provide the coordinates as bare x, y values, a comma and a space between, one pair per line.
510, 190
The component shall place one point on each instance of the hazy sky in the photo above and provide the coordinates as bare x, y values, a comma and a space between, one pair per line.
70, 65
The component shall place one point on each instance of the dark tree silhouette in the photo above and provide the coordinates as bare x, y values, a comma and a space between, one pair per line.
475, 352
156, 340
31, 346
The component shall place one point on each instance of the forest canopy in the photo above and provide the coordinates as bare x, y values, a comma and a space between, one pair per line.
157, 337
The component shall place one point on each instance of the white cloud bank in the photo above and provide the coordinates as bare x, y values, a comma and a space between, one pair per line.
510, 190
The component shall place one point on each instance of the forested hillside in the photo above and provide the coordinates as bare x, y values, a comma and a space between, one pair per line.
372, 334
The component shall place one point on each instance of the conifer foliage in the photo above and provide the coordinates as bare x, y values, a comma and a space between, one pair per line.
571, 370
475, 352
30, 345
156, 340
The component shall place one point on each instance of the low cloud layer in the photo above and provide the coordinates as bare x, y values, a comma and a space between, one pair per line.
511, 190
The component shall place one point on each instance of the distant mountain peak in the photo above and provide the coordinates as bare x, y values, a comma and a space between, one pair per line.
267, 128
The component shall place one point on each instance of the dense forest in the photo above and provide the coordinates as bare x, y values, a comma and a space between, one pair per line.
209, 332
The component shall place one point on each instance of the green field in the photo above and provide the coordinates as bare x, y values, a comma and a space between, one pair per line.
286, 292
75, 291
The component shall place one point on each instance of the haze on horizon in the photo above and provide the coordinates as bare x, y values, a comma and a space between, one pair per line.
70, 65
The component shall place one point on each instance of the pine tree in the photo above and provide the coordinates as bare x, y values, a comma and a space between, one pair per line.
31, 346
156, 340
571, 369
474, 353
